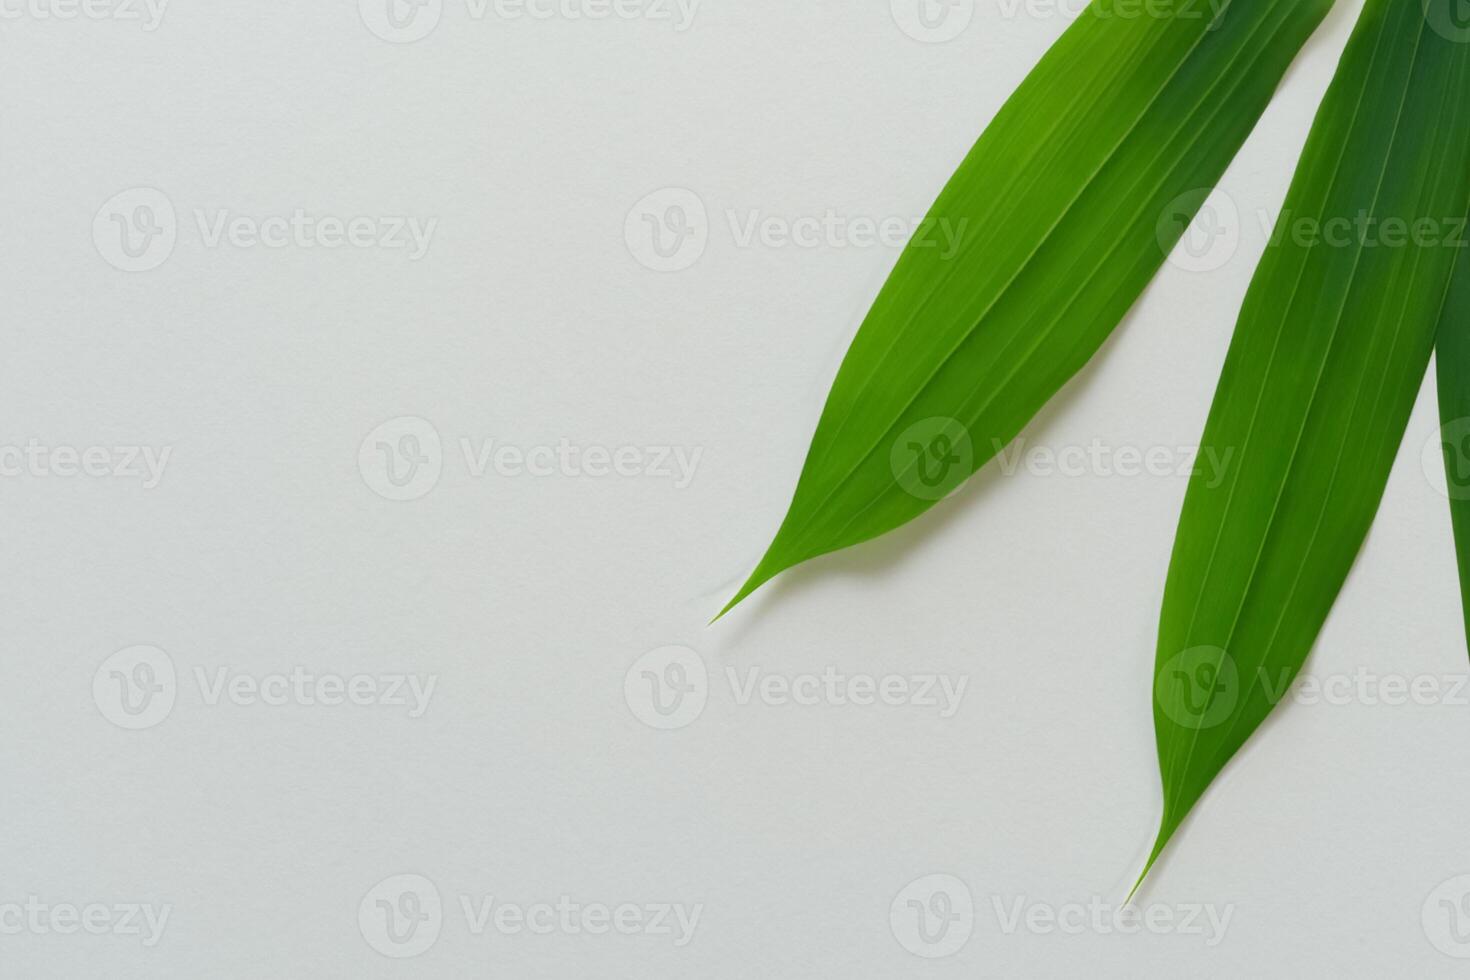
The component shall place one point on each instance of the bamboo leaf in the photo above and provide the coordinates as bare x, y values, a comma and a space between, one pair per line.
1330, 350
1133, 114
1452, 360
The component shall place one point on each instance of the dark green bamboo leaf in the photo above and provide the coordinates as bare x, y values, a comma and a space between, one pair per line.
1132, 115
1331, 348
1452, 359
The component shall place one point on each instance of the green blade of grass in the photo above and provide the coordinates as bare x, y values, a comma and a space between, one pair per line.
1132, 115
1331, 348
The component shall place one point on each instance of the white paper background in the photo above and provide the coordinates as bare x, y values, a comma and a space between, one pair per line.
531, 321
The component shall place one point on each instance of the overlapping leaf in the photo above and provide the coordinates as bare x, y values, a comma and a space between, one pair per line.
1330, 350
1133, 114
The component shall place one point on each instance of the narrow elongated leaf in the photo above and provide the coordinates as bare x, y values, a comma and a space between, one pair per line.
1452, 360
1133, 114
1332, 345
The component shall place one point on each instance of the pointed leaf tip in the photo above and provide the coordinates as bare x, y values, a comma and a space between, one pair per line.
768, 569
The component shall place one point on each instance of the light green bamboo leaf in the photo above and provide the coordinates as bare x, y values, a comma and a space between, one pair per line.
1064, 210
1452, 359
1331, 348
